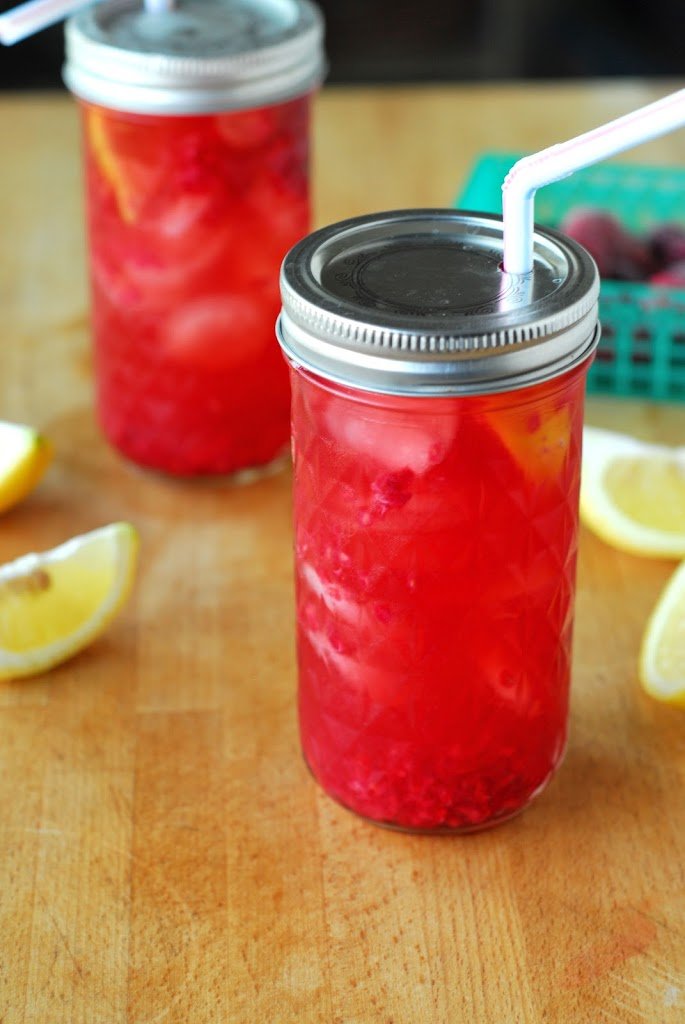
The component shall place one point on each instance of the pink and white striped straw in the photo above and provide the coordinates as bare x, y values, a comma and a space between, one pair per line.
532, 172
29, 18
25, 20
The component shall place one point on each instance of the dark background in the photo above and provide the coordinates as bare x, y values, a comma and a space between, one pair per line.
455, 40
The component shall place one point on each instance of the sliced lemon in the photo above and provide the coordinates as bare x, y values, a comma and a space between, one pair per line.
632, 493
539, 444
135, 162
24, 457
111, 168
54, 603
662, 655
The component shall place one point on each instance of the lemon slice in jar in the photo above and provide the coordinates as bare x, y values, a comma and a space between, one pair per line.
538, 443
129, 160
632, 493
109, 165
24, 456
54, 603
662, 653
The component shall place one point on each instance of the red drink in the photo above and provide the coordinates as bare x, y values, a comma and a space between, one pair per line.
437, 421
196, 187
435, 553
189, 219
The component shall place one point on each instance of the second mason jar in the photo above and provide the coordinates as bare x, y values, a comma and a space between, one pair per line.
196, 129
436, 422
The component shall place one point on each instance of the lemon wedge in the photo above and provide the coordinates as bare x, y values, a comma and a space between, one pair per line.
110, 167
632, 493
54, 603
539, 447
133, 162
662, 654
24, 457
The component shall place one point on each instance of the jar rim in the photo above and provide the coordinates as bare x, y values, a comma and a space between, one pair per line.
199, 57
416, 301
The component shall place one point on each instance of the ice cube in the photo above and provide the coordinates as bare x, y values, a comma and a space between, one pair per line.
332, 595
247, 129
218, 331
379, 685
396, 444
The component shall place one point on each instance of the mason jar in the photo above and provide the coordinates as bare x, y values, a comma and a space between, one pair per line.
196, 138
436, 433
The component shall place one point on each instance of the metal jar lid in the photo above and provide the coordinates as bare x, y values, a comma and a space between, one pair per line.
200, 56
416, 302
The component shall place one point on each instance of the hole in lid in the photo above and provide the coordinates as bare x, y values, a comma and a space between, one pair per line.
642, 334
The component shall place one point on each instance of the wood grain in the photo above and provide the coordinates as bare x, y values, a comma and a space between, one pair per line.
164, 856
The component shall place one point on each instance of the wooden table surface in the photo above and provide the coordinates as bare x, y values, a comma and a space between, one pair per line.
164, 856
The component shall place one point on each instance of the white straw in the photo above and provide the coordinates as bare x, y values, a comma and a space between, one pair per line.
532, 172
156, 6
33, 16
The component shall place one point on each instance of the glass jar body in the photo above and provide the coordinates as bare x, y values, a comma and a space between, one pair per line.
435, 547
188, 220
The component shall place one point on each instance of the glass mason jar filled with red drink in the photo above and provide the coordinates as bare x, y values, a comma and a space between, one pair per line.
436, 429
196, 127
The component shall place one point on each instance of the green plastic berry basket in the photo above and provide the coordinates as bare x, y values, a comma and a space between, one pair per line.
642, 350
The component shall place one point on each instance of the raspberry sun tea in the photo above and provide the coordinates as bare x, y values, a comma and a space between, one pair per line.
195, 133
436, 428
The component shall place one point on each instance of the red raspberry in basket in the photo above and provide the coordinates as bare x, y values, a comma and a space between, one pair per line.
667, 244
617, 253
672, 276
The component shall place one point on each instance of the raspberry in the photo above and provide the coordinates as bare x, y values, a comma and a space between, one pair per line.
617, 254
673, 276
667, 244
